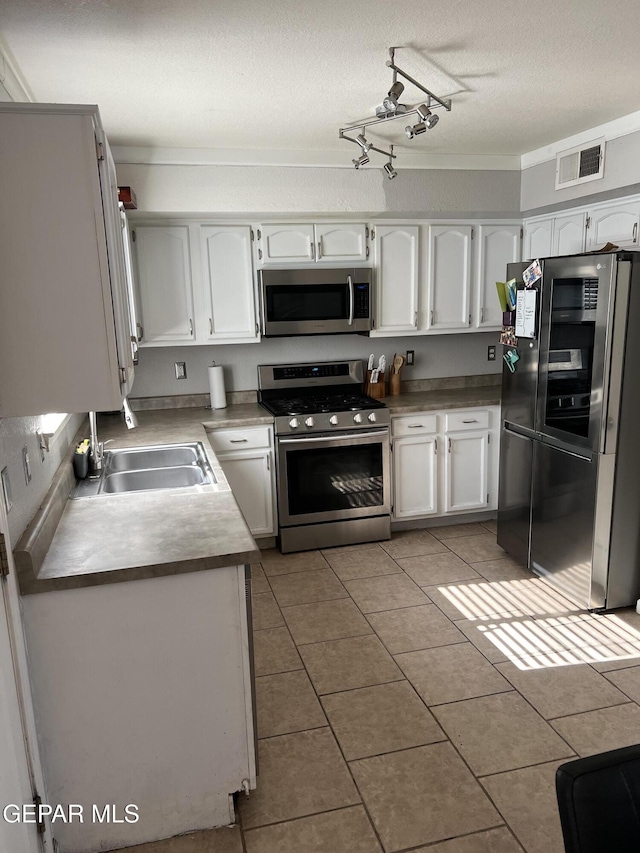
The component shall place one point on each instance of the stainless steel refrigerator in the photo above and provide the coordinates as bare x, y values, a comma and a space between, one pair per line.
569, 499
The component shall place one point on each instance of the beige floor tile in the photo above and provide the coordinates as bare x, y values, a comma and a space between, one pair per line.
384, 718
346, 664
474, 549
451, 673
527, 800
266, 613
385, 593
422, 795
412, 628
275, 651
500, 732
492, 841
478, 633
502, 570
628, 680
226, 839
451, 531
275, 563
325, 620
344, 831
304, 587
350, 549
616, 664
446, 601
259, 582
287, 703
365, 563
430, 569
600, 731
300, 774
412, 543
558, 691
491, 526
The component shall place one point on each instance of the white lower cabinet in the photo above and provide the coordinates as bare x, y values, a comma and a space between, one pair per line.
246, 457
445, 462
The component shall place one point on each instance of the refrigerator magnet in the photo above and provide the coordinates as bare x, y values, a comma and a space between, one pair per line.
532, 273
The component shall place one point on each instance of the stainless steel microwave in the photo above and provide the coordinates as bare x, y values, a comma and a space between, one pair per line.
315, 301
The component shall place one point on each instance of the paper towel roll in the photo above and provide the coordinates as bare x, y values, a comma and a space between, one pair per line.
216, 387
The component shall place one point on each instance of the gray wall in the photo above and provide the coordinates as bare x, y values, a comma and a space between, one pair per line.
435, 356
621, 174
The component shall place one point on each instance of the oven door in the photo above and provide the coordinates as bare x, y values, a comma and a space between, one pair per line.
333, 477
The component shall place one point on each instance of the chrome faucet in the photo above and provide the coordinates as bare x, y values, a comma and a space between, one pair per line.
96, 448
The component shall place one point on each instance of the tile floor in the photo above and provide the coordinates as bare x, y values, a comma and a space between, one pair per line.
419, 695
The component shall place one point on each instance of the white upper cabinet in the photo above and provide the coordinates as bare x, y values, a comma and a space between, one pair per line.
497, 246
449, 277
615, 223
568, 234
538, 239
65, 339
302, 244
228, 282
163, 263
396, 248
287, 243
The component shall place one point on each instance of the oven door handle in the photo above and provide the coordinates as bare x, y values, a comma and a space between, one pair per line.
350, 283
371, 434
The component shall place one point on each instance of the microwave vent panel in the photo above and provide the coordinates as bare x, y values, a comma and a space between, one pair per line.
580, 165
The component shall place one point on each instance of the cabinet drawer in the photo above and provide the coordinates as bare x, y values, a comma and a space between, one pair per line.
224, 440
414, 425
466, 420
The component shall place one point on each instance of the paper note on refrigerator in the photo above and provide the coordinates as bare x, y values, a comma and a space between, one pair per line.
526, 302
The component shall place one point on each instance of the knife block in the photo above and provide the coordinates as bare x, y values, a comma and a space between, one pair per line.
377, 389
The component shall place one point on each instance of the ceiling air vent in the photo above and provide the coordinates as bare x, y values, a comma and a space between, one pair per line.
579, 165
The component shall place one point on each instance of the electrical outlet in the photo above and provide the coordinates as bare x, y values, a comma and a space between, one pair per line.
181, 369
410, 357
491, 353
26, 465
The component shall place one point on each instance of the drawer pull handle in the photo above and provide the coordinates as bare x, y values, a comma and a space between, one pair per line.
472, 421
238, 440
415, 426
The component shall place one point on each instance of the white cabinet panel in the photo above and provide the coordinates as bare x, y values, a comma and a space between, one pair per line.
415, 476
250, 477
228, 281
538, 239
288, 243
397, 278
497, 246
163, 263
614, 223
449, 279
466, 480
568, 234
341, 242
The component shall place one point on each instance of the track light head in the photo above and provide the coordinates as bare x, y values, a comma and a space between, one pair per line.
430, 120
361, 161
362, 142
416, 130
390, 103
391, 172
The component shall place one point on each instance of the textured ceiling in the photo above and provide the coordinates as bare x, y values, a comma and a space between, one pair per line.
250, 74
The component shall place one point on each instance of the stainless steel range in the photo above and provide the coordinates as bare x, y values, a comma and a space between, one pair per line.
332, 455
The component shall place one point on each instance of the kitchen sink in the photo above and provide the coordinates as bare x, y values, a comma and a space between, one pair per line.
141, 469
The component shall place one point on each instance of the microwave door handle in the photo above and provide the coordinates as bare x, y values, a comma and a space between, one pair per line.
350, 283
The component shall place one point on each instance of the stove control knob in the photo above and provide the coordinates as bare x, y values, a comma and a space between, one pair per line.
357, 419
294, 423
309, 422
372, 417
333, 420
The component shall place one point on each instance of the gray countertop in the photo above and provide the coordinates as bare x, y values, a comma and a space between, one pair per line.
454, 398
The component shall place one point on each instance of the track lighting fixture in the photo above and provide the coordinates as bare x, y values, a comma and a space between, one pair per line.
391, 109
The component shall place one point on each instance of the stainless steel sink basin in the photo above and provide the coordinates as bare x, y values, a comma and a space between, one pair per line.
141, 469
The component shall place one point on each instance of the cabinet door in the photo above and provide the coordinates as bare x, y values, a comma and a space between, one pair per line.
228, 282
250, 475
449, 281
397, 278
466, 484
615, 223
414, 476
342, 242
293, 243
164, 283
497, 246
538, 239
568, 234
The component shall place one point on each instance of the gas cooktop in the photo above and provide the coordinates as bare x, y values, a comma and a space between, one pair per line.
309, 405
